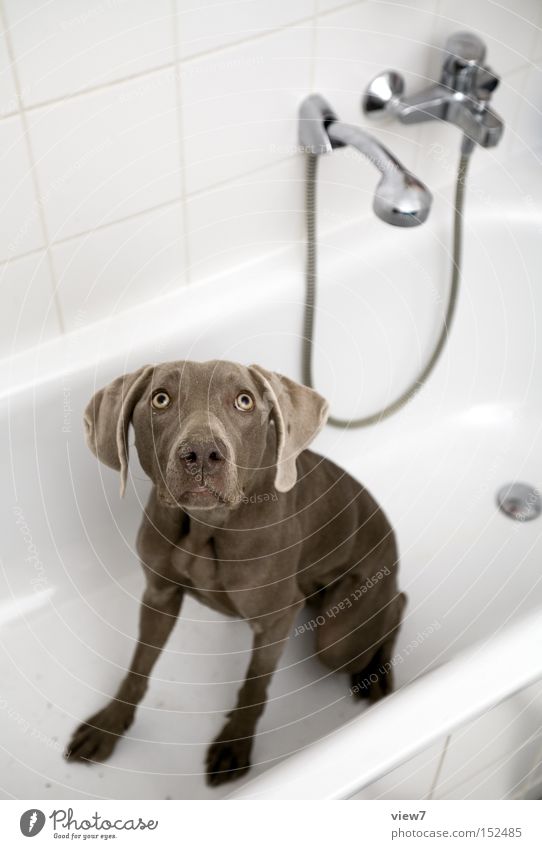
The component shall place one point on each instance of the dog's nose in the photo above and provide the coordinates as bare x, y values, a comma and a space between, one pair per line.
208, 456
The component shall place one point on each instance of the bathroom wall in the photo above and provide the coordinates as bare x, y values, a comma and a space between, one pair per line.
148, 144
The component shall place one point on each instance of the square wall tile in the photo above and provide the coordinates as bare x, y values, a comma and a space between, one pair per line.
106, 155
509, 30
103, 273
208, 24
8, 95
20, 227
64, 46
243, 220
28, 315
240, 106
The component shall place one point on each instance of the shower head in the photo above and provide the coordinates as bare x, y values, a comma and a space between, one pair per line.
400, 198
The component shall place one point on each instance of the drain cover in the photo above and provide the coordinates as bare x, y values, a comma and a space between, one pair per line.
520, 501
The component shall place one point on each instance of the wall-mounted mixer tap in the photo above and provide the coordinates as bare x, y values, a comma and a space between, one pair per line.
461, 97
400, 198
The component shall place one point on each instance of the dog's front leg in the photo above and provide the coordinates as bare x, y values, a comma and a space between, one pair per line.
229, 756
96, 738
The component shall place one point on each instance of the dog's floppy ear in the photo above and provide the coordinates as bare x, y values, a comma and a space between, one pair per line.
108, 416
299, 414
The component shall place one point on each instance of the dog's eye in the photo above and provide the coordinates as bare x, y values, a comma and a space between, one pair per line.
160, 400
244, 402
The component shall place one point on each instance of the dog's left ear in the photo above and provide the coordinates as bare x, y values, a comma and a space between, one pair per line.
299, 414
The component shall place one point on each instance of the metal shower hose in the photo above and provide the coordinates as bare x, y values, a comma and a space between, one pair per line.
310, 296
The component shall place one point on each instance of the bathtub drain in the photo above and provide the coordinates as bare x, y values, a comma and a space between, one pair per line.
520, 501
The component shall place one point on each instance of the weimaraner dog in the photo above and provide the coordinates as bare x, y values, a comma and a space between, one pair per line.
252, 524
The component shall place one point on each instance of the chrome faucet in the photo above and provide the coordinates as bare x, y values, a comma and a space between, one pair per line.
400, 198
461, 97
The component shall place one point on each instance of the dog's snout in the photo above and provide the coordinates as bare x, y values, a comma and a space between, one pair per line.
208, 455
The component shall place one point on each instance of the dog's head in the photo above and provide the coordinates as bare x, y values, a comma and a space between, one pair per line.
202, 429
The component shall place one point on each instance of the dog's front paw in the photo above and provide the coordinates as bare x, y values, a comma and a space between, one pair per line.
228, 757
95, 739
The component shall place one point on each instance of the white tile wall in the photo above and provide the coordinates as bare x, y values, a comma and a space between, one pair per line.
19, 214
240, 105
63, 47
8, 94
142, 112
205, 25
236, 222
108, 154
114, 268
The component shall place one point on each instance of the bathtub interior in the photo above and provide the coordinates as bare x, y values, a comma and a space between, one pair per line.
70, 579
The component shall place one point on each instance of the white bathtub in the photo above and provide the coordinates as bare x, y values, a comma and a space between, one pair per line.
470, 724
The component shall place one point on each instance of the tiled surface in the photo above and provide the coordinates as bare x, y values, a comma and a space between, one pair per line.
116, 267
63, 47
237, 222
135, 106
206, 25
28, 314
240, 106
108, 154
8, 95
19, 215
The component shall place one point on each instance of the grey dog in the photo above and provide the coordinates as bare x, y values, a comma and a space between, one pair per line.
252, 524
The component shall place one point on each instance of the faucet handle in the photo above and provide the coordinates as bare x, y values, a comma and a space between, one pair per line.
381, 93
463, 49
465, 54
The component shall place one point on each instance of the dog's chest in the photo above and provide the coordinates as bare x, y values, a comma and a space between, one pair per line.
196, 568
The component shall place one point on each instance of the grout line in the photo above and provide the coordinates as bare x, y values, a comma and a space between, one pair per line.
33, 171
83, 92
7, 260
256, 35
184, 221
219, 184
116, 221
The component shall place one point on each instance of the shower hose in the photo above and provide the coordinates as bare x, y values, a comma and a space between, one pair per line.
310, 296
